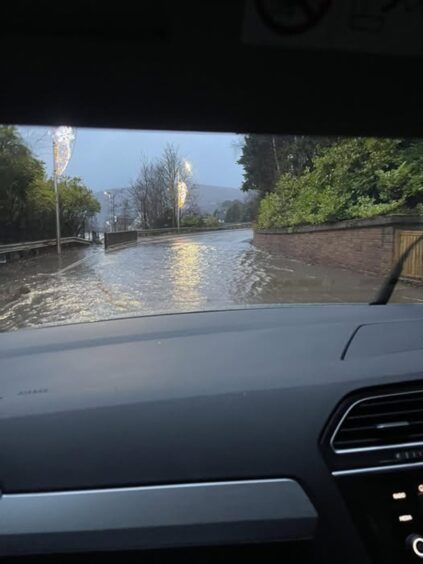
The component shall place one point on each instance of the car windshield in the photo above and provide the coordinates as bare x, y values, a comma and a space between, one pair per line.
96, 224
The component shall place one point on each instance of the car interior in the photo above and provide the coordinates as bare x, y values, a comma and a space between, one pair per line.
276, 434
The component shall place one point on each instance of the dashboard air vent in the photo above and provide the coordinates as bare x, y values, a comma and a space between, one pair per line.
381, 422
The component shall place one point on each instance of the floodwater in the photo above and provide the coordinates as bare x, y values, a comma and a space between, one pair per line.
176, 273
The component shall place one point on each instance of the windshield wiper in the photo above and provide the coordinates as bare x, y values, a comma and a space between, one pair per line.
385, 291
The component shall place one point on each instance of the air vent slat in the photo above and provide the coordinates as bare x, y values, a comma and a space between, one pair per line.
381, 422
366, 442
385, 413
399, 399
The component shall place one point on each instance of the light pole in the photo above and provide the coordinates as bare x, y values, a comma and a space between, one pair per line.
56, 193
63, 138
112, 217
177, 199
107, 194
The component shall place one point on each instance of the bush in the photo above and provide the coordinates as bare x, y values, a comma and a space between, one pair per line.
192, 221
353, 178
210, 221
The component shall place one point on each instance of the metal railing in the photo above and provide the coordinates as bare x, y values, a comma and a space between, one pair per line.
176, 231
43, 243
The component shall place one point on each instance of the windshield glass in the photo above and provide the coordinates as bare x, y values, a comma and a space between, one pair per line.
103, 223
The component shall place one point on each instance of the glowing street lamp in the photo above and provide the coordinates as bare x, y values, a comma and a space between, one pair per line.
63, 138
187, 166
182, 194
181, 191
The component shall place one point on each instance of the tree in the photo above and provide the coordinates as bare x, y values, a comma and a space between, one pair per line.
77, 205
153, 193
258, 161
357, 177
19, 171
192, 220
266, 157
150, 196
27, 199
173, 171
191, 206
235, 212
251, 207
220, 211
125, 215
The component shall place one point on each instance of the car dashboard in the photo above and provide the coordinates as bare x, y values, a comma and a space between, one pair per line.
295, 426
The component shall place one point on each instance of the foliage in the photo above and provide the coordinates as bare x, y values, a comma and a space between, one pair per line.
352, 178
150, 196
198, 220
153, 194
235, 211
192, 221
210, 221
258, 161
19, 171
27, 198
77, 204
265, 157
220, 212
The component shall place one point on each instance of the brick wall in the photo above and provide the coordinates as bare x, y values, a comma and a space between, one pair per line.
363, 245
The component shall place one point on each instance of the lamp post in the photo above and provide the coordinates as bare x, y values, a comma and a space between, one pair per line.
56, 193
107, 194
112, 216
63, 138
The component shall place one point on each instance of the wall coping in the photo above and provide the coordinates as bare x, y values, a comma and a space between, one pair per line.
380, 221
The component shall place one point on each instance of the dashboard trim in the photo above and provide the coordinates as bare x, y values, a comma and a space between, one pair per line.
156, 516
370, 469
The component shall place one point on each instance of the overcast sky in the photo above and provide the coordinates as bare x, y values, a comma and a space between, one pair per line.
107, 158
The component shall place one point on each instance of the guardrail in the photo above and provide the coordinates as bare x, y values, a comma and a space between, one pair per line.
176, 231
28, 246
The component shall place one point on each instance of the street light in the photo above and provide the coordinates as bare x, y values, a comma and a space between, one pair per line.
112, 217
181, 191
187, 166
63, 138
182, 194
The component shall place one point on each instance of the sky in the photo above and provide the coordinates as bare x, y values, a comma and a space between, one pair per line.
107, 159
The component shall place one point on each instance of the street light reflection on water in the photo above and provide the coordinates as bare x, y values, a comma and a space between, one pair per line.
185, 273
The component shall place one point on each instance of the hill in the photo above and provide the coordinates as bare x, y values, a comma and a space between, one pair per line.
210, 197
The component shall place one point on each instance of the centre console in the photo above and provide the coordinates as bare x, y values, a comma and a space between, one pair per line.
374, 447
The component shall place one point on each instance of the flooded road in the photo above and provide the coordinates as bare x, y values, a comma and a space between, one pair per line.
189, 272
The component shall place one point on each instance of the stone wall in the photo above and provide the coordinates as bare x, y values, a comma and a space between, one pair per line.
364, 245
117, 238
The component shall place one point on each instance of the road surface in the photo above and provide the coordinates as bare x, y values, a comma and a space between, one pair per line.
190, 272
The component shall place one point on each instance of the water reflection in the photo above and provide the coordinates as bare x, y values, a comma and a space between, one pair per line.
199, 271
185, 273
